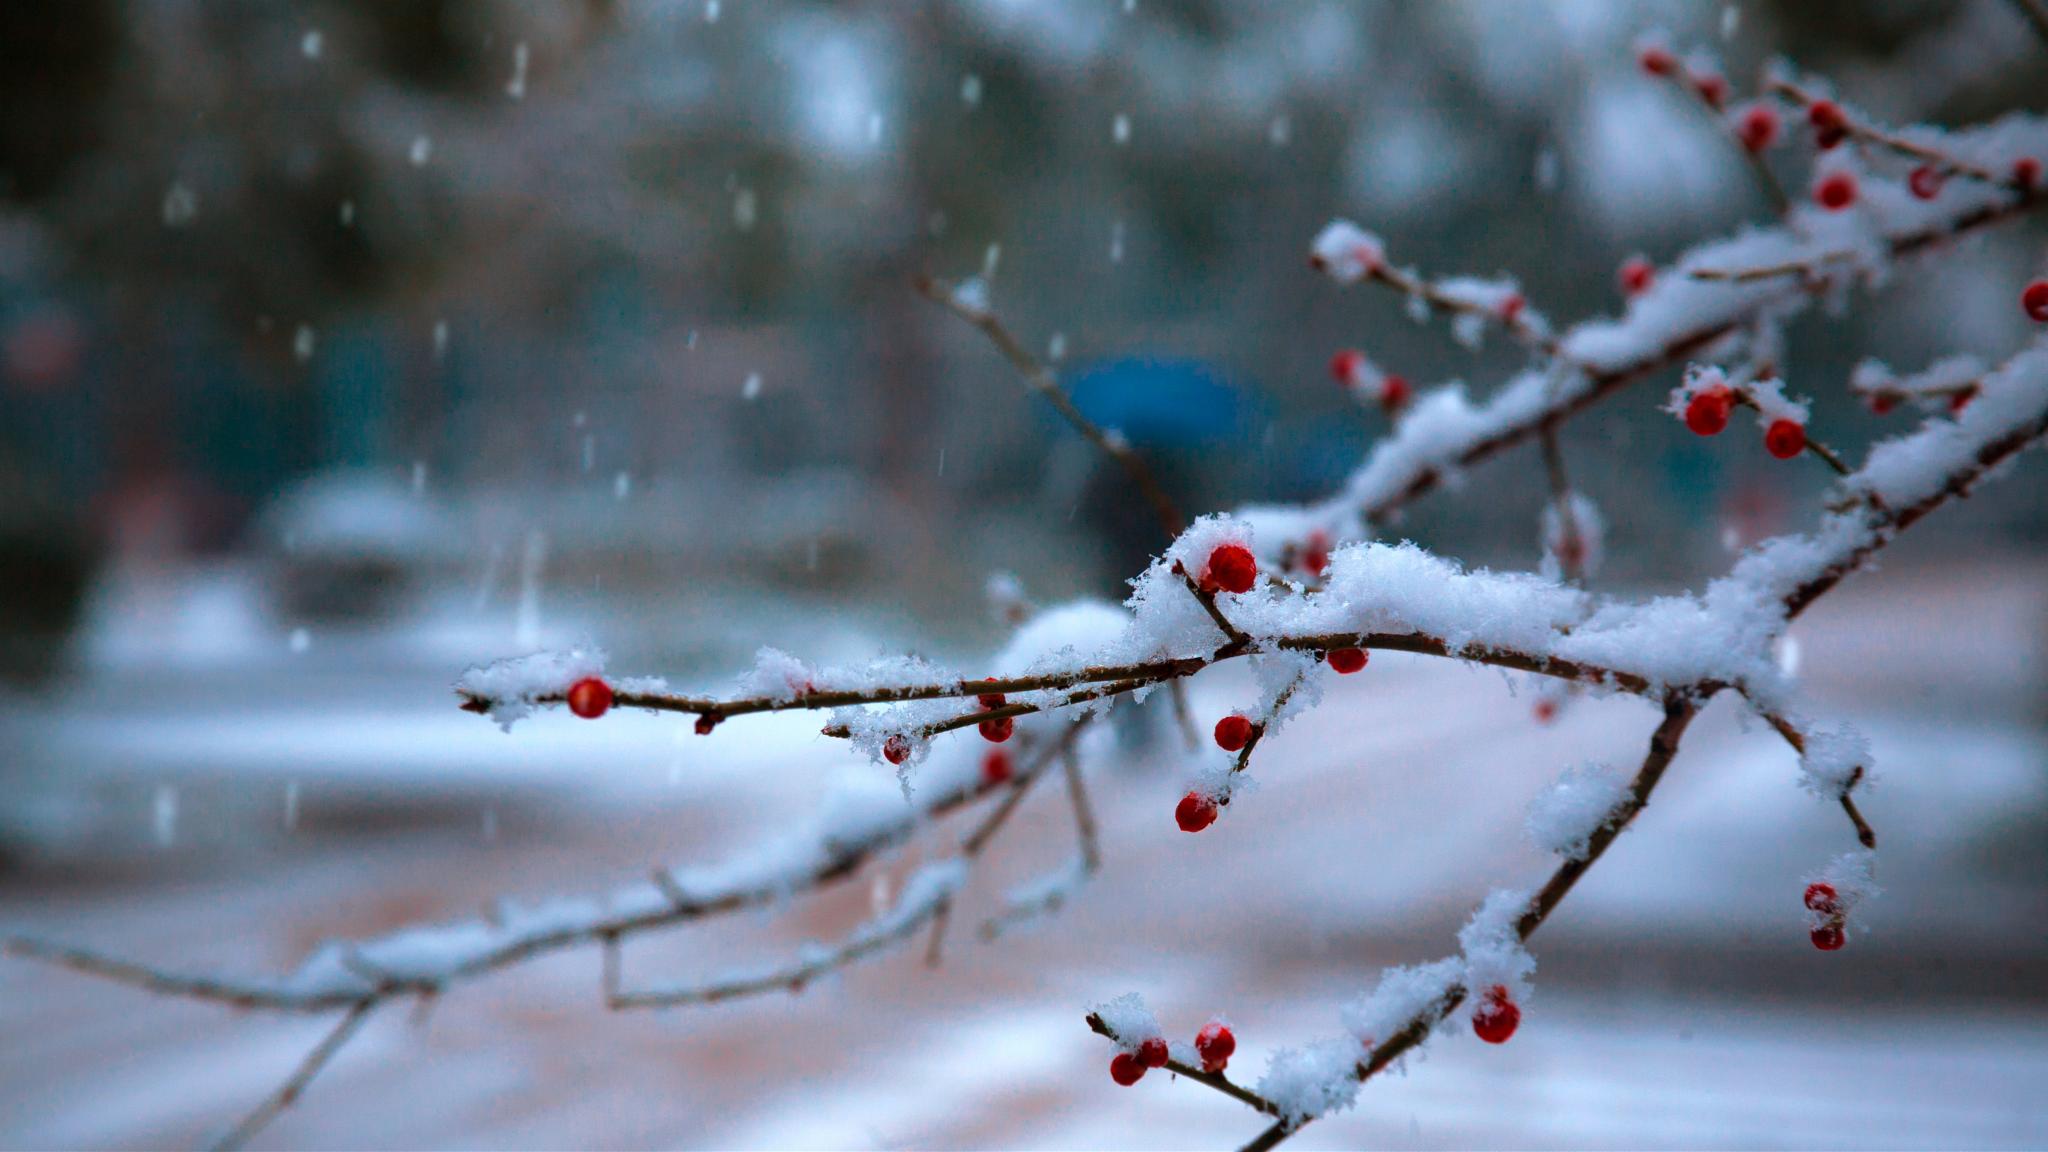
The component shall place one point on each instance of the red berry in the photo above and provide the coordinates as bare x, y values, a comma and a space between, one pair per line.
1785, 439
1194, 812
1126, 1069
1153, 1053
989, 700
1512, 306
1233, 732
896, 749
995, 767
1836, 191
1925, 182
1346, 365
590, 697
1345, 661
1214, 1044
2034, 298
1713, 89
1657, 61
706, 722
1546, 711
1635, 276
1882, 403
1759, 128
1830, 124
1497, 1017
1822, 898
998, 730
1231, 568
1829, 936
1315, 554
1960, 399
1394, 392
2026, 172
1707, 412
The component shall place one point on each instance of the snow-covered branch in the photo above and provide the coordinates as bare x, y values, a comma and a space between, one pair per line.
1223, 590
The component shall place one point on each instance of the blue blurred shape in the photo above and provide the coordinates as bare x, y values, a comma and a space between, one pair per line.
1165, 404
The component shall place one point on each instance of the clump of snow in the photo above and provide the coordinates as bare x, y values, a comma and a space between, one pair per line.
1930, 387
1836, 759
1401, 996
1768, 394
1906, 470
511, 688
1006, 597
971, 296
1129, 1021
1493, 951
777, 675
1402, 589
1697, 378
1501, 299
1564, 816
1853, 875
1346, 252
1304, 1083
1287, 687
1205, 535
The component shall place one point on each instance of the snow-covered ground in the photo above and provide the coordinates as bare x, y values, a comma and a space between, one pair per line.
1678, 1003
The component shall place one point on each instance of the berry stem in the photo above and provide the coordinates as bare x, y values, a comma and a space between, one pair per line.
1785, 728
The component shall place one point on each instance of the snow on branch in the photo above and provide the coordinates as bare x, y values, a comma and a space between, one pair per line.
1710, 294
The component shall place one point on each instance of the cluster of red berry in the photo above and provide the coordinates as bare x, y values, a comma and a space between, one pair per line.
1347, 367
1000, 728
1711, 86
1214, 1044
1707, 414
1828, 933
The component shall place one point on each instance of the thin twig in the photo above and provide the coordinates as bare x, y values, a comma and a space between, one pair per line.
1041, 380
1796, 739
1571, 558
1182, 716
1084, 814
1872, 134
1516, 323
288, 1093
1773, 190
870, 939
1216, 1080
1810, 270
1207, 599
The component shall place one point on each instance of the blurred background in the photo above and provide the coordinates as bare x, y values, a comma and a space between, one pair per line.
345, 345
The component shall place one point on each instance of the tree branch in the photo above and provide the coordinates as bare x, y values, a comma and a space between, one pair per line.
1041, 380
288, 1093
